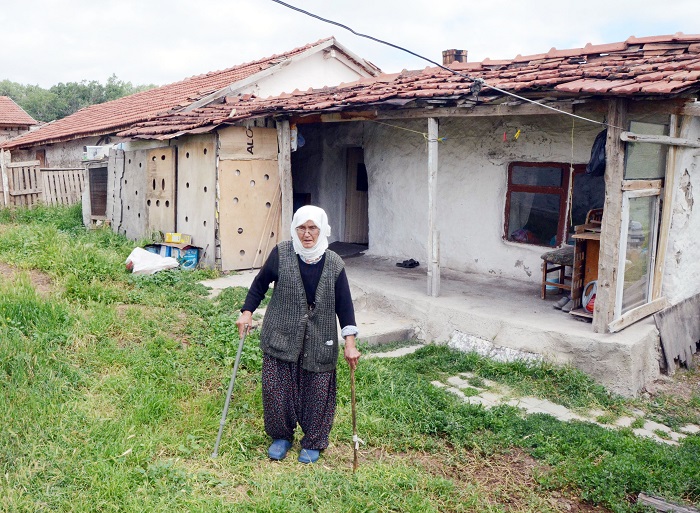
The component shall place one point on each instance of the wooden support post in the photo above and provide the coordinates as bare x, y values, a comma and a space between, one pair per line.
115, 172
433, 234
5, 180
284, 163
667, 212
612, 218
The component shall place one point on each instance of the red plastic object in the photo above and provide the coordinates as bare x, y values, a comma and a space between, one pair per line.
591, 304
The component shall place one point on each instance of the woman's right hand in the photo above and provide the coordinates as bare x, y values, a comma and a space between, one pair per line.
245, 321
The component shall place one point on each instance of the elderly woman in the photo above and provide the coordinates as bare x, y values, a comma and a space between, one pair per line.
299, 337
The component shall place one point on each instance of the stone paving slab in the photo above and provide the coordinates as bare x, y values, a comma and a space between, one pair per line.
498, 394
401, 351
624, 422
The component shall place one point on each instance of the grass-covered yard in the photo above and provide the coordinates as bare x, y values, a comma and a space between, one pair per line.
113, 385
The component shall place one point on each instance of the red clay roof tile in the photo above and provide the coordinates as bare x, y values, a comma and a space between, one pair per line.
110, 117
629, 88
12, 114
616, 69
664, 87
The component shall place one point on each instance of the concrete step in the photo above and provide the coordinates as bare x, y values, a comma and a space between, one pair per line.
241, 279
378, 328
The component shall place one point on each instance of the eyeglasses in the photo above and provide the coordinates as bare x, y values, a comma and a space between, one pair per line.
313, 230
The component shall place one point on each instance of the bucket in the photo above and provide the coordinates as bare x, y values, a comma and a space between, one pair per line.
552, 288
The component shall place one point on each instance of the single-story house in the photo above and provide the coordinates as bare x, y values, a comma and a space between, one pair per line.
478, 168
87, 134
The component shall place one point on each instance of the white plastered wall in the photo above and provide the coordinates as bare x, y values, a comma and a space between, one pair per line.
682, 266
314, 71
472, 181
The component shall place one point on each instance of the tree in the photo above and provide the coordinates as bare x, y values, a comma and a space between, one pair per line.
61, 100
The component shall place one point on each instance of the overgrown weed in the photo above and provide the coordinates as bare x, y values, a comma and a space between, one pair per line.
105, 408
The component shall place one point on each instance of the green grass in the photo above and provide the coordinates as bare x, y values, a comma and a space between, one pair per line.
113, 386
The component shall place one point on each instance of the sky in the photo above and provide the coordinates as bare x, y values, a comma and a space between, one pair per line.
46, 42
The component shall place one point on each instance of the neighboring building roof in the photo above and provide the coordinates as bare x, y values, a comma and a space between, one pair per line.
652, 67
12, 114
110, 117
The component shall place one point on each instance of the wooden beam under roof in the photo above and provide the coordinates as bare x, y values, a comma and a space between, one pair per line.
527, 109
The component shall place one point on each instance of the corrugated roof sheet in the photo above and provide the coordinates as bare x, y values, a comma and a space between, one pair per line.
659, 66
13, 115
109, 117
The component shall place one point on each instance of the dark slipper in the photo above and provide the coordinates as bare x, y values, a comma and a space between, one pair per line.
408, 264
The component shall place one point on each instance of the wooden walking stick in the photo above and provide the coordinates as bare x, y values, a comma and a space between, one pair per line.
355, 439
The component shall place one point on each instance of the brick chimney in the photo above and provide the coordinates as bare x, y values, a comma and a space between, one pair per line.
450, 56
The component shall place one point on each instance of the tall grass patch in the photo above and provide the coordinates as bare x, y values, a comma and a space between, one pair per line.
113, 388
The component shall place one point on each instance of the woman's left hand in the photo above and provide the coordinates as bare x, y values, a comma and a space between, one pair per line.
352, 355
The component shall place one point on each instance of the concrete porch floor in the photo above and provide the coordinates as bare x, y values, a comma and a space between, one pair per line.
504, 318
495, 316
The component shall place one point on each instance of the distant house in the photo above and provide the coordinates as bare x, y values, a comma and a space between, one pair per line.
481, 168
14, 120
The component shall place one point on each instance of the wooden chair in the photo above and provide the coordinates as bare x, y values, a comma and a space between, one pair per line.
553, 261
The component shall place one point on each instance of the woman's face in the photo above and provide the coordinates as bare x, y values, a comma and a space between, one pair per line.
308, 234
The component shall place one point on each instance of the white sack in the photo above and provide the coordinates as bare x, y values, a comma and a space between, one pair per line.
141, 261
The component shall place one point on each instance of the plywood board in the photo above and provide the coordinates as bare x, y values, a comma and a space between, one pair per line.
133, 220
679, 327
248, 212
160, 189
196, 193
240, 143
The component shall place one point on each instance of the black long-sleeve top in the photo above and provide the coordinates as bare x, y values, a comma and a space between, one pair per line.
310, 276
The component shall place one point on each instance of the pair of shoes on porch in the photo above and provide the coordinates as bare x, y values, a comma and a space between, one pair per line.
309, 455
560, 304
278, 450
409, 264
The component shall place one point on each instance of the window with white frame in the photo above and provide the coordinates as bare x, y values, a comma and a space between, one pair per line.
645, 169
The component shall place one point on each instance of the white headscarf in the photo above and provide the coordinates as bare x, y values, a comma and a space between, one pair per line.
320, 219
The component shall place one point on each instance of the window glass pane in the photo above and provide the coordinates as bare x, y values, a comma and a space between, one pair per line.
645, 160
642, 223
533, 218
537, 176
588, 193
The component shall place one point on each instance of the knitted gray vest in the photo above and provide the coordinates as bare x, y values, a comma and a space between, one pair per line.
291, 329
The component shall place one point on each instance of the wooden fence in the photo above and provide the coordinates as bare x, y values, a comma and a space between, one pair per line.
25, 184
